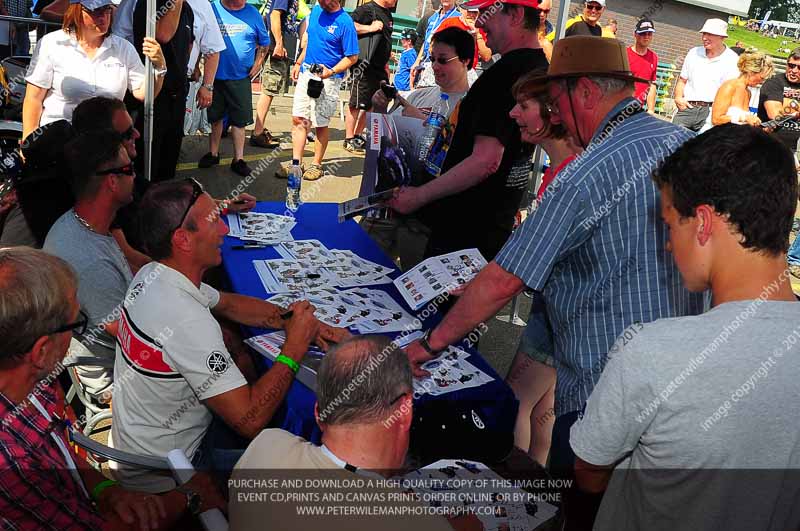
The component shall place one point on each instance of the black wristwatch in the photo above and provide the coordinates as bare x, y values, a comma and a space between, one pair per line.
193, 500
423, 341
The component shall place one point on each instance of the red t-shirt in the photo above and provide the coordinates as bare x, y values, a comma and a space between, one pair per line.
550, 175
645, 67
455, 22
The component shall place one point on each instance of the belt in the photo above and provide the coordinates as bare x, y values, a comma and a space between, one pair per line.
700, 103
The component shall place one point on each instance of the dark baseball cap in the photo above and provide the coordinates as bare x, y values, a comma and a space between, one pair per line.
409, 34
645, 25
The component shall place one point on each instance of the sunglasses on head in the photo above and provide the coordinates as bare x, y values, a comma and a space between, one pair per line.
99, 12
197, 191
442, 60
122, 170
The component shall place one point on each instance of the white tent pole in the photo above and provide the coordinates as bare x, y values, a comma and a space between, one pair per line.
150, 31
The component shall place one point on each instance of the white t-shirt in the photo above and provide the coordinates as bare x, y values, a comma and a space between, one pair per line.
60, 65
704, 76
207, 35
170, 357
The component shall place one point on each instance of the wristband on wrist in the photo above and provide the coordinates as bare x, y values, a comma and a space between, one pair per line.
289, 362
100, 487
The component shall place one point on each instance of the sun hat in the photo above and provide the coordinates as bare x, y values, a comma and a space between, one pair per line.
91, 5
715, 26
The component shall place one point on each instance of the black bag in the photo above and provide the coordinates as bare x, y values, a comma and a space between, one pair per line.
315, 86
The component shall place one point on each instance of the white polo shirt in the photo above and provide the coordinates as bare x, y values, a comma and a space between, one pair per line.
207, 35
170, 357
60, 65
704, 76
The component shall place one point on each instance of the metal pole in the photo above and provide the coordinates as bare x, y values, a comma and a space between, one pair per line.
563, 17
150, 31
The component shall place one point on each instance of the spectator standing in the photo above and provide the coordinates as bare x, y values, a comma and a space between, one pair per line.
474, 200
777, 94
18, 31
732, 102
740, 48
447, 10
83, 60
102, 177
331, 43
174, 30
644, 63
283, 21
594, 271
208, 43
176, 367
547, 46
588, 24
45, 484
610, 29
402, 77
374, 23
365, 437
661, 423
704, 70
246, 45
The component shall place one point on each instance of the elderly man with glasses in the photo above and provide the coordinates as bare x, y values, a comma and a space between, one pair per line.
177, 372
588, 24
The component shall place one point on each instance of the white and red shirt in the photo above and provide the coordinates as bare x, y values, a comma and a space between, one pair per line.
170, 357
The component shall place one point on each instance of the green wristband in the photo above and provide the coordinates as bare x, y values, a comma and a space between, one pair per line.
100, 487
289, 362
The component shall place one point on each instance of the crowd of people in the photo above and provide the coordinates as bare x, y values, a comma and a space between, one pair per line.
662, 319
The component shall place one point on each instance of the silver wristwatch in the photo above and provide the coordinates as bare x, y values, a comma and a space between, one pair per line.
160, 73
209, 87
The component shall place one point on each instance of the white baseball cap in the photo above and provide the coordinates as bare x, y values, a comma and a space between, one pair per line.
601, 2
715, 26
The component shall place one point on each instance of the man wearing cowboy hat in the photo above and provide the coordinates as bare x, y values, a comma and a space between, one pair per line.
595, 247
704, 70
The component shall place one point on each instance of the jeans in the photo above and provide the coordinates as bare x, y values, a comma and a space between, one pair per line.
562, 458
794, 253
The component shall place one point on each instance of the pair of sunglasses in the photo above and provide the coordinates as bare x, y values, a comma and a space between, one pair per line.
197, 191
122, 170
442, 60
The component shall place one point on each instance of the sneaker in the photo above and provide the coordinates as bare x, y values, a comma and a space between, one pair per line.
240, 167
351, 145
283, 170
263, 140
208, 160
313, 173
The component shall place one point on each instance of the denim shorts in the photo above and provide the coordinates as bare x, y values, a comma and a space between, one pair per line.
537, 339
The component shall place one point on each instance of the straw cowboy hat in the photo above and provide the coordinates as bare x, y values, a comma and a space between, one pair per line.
575, 57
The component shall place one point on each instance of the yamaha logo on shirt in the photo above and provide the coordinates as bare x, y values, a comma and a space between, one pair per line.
216, 362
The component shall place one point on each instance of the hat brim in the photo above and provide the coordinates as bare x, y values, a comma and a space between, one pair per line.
627, 76
640, 32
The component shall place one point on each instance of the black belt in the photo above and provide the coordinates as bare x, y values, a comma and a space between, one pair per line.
700, 103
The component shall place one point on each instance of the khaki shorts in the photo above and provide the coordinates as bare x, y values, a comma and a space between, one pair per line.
274, 76
318, 110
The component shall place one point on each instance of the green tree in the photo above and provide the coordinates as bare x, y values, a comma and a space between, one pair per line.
784, 10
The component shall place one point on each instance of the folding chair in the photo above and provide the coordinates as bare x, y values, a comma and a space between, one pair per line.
95, 413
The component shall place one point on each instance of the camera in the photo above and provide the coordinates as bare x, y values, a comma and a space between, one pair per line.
316, 69
315, 84
390, 91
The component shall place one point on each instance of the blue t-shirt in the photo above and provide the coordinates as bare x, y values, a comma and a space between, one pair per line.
433, 24
243, 32
402, 79
331, 38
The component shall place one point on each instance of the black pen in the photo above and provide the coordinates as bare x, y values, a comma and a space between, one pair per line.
287, 315
248, 246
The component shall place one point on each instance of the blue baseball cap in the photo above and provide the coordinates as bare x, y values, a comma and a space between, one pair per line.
91, 5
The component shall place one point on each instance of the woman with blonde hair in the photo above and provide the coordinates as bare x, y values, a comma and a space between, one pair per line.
533, 375
732, 103
83, 60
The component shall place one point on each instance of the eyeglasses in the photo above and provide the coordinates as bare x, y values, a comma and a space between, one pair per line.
79, 326
128, 133
122, 170
99, 12
792, 66
197, 191
442, 60
594, 7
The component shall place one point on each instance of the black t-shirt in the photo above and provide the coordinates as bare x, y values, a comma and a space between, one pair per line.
374, 47
778, 88
176, 51
582, 28
483, 216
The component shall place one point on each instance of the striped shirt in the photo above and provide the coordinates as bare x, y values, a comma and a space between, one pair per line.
596, 248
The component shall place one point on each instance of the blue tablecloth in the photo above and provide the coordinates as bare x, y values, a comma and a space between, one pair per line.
494, 402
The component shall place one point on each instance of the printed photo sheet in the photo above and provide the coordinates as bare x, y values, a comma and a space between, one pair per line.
450, 372
265, 228
438, 275
459, 483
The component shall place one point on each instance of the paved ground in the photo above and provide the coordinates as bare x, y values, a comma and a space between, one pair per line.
498, 345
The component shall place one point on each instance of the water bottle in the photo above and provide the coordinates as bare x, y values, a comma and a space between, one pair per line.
293, 184
433, 124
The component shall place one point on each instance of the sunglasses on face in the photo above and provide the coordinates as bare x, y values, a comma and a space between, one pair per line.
792, 66
128, 133
99, 12
442, 60
122, 170
197, 191
594, 7
79, 326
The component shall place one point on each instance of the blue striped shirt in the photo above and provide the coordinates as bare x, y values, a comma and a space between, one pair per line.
596, 248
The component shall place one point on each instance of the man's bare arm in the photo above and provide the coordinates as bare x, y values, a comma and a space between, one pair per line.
592, 478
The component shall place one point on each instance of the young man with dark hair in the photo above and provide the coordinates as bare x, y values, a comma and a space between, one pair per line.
777, 93
402, 77
683, 422
644, 63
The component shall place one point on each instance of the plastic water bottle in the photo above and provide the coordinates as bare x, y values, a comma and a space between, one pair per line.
433, 124
293, 184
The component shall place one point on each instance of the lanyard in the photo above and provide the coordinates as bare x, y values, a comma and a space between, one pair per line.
624, 114
73, 470
347, 466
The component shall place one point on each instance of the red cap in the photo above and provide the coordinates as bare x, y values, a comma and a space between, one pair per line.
481, 4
